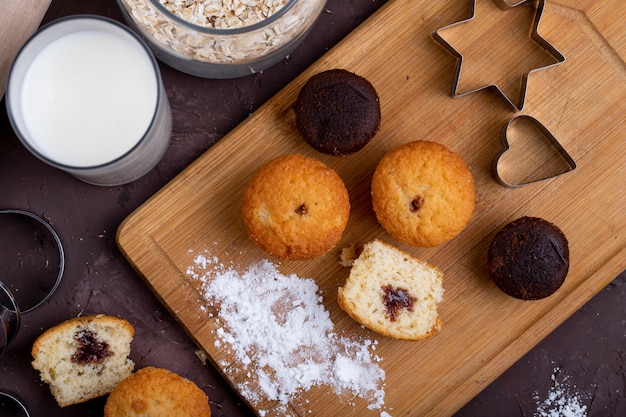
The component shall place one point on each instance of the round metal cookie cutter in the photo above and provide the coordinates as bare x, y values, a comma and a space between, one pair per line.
12, 406
9, 318
31, 257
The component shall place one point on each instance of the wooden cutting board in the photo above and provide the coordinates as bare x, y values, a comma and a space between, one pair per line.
582, 102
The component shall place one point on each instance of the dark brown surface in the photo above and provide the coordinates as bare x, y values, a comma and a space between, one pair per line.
588, 350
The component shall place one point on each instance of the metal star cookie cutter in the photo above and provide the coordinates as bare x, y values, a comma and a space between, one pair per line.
545, 134
506, 5
534, 34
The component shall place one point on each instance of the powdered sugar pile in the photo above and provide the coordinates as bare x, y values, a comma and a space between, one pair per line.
561, 401
281, 334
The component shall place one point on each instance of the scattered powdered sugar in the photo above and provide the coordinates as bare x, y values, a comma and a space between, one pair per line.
282, 336
561, 401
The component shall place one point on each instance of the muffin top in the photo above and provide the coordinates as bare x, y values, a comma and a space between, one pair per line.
295, 207
423, 193
337, 112
529, 258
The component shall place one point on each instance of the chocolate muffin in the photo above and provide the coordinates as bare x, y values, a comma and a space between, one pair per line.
529, 258
337, 112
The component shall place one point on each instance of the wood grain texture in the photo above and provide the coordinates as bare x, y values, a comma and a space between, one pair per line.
582, 102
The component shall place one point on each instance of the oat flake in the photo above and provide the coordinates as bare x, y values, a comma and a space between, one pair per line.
223, 14
213, 48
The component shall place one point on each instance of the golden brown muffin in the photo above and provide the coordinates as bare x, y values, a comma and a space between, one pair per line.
84, 357
295, 207
423, 193
157, 392
393, 293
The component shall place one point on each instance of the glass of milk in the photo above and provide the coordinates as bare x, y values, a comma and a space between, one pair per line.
85, 95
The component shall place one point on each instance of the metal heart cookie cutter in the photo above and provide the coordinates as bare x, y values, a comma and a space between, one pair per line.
516, 105
530, 168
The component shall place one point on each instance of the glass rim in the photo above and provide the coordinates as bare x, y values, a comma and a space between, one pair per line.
227, 31
155, 66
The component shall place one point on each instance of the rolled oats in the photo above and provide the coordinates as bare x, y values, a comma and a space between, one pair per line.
199, 42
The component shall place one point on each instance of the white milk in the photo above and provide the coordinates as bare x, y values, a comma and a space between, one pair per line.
88, 97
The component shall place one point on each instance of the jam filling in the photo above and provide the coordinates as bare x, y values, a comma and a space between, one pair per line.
89, 349
417, 203
396, 299
302, 210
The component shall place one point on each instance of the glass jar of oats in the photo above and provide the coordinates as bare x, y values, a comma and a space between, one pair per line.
221, 38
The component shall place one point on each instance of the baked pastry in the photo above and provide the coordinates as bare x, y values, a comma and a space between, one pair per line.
423, 193
84, 357
337, 112
295, 207
529, 258
393, 293
157, 392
